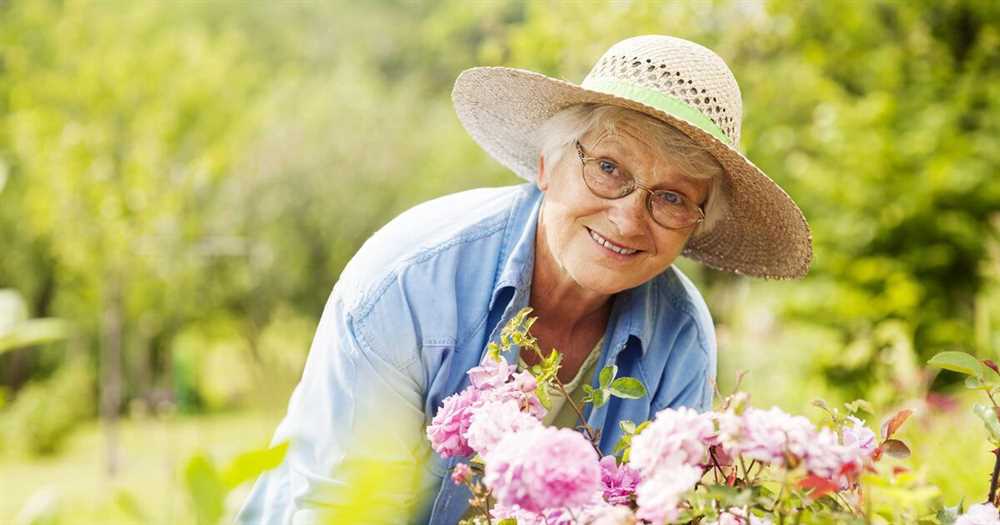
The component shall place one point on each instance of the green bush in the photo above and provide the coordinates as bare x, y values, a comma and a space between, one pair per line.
45, 412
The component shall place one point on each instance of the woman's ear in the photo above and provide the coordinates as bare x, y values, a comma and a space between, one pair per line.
542, 179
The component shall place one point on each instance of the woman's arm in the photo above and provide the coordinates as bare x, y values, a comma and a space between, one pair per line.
355, 427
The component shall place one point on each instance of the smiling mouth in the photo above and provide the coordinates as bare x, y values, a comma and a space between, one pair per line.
620, 250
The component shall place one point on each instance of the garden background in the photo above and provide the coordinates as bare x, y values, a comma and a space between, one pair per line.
182, 182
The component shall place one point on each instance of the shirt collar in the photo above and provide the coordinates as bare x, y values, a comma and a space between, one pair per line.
518, 252
633, 314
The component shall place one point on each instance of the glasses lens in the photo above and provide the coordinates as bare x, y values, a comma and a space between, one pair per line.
605, 179
671, 210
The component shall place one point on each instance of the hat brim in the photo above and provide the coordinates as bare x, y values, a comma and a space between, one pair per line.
763, 232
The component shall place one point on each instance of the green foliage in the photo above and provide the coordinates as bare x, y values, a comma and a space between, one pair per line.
218, 163
989, 416
44, 414
18, 331
204, 486
207, 485
610, 385
960, 362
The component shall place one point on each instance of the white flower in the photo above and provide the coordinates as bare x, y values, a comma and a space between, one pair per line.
982, 514
674, 438
659, 497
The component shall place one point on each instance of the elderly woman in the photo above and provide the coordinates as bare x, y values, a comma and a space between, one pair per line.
629, 170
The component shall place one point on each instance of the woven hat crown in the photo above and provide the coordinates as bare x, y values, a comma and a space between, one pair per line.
680, 69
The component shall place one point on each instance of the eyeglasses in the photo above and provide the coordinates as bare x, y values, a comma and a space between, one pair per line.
607, 180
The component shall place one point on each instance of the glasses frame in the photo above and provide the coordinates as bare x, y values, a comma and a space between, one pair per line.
584, 159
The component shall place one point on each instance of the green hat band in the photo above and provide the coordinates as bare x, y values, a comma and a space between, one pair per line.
658, 100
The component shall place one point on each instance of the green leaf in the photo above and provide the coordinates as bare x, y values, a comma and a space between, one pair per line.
859, 405
248, 466
628, 388
989, 417
600, 397
32, 332
205, 488
607, 375
960, 362
542, 391
729, 496
948, 515
493, 350
975, 383
627, 426
129, 505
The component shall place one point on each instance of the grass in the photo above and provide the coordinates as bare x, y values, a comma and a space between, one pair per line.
74, 485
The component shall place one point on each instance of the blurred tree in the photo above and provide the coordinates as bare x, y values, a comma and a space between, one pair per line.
175, 167
880, 119
120, 151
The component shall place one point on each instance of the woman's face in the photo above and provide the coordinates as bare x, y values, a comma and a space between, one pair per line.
575, 224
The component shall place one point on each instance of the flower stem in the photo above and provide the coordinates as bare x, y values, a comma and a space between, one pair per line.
991, 497
587, 429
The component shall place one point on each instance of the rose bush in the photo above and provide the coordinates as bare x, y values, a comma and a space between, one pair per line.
736, 464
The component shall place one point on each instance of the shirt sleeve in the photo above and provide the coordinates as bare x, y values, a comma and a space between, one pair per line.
355, 427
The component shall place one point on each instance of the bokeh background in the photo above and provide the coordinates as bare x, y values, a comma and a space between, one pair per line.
182, 182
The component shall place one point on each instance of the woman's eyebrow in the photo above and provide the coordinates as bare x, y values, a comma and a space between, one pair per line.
619, 156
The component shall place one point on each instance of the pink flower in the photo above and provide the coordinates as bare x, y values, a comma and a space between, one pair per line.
659, 497
524, 382
523, 517
859, 437
982, 514
841, 460
492, 384
493, 421
766, 435
543, 468
490, 374
618, 482
676, 437
521, 390
461, 473
597, 513
447, 430
607, 515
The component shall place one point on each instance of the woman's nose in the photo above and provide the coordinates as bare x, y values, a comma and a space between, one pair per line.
628, 213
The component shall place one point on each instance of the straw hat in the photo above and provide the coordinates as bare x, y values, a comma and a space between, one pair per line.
763, 232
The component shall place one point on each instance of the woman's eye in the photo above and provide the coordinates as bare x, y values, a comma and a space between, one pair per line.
608, 167
669, 197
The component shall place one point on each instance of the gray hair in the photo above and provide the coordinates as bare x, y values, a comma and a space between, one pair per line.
567, 126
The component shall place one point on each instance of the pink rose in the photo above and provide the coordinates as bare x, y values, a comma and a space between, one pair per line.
543, 468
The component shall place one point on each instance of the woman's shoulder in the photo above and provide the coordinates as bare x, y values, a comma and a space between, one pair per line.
679, 306
680, 292
440, 233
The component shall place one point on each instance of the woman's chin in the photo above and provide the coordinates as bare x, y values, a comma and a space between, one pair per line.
596, 281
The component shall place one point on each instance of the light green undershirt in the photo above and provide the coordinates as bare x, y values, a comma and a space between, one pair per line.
561, 413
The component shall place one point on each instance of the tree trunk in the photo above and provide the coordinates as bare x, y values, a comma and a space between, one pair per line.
111, 370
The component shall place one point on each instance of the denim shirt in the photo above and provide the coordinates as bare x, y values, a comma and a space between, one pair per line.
410, 314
